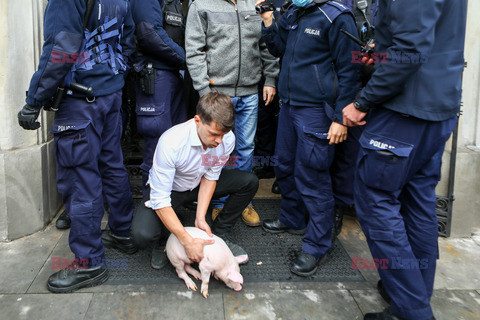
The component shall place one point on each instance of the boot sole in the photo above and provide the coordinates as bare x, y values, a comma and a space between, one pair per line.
251, 224
98, 280
116, 246
296, 232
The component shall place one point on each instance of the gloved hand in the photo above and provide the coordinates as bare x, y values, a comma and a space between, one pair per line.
27, 117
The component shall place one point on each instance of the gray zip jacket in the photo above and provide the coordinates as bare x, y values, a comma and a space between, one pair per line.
225, 49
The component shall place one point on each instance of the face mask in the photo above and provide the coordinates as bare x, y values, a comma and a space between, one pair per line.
301, 3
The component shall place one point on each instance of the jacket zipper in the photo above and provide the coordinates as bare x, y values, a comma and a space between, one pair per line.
290, 63
239, 48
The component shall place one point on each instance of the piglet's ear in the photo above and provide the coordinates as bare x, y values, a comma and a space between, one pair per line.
235, 277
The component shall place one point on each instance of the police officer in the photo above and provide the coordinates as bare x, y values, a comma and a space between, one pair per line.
86, 129
412, 102
317, 80
160, 54
343, 166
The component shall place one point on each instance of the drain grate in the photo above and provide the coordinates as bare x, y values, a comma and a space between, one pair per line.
270, 256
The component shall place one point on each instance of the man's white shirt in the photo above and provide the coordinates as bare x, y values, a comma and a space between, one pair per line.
180, 162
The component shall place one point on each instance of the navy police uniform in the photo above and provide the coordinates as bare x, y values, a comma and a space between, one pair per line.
414, 98
343, 166
87, 131
316, 75
160, 43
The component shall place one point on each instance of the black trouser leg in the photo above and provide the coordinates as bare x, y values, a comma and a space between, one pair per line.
241, 187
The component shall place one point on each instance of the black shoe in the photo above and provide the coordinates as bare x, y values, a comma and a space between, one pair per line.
264, 172
383, 292
124, 244
276, 188
386, 314
69, 280
276, 226
305, 264
238, 252
159, 256
338, 220
63, 221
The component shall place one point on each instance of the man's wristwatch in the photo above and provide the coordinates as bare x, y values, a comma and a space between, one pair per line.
359, 107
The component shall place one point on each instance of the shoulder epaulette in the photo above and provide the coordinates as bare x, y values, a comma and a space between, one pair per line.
332, 10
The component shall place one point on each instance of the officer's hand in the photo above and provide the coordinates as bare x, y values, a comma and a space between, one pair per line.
268, 94
27, 117
367, 59
337, 133
267, 16
352, 116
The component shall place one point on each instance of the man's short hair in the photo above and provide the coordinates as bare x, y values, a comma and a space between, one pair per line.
217, 107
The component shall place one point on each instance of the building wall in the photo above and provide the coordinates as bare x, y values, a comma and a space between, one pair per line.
28, 195
466, 207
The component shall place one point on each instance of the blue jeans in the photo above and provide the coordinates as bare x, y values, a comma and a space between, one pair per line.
246, 112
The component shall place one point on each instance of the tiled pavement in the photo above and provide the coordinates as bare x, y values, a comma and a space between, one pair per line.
26, 264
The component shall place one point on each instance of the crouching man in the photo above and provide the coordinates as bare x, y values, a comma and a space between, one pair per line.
187, 166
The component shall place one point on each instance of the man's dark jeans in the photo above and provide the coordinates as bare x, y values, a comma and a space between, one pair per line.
240, 186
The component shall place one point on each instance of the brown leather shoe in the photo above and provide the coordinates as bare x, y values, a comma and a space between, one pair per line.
250, 217
215, 213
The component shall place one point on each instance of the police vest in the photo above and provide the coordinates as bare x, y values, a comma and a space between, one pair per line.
173, 21
102, 44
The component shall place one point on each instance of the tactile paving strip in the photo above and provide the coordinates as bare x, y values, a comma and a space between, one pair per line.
270, 257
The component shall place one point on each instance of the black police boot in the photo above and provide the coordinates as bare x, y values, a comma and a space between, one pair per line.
69, 280
276, 226
306, 265
159, 256
264, 172
386, 314
381, 290
276, 188
338, 220
63, 221
124, 244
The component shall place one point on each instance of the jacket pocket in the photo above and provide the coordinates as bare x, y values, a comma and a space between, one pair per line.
315, 152
71, 143
383, 162
318, 79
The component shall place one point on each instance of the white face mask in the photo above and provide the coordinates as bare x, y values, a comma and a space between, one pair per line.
301, 3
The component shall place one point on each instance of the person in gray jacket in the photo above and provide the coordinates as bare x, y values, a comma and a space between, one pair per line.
225, 52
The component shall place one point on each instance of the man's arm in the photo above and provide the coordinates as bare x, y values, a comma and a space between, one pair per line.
205, 193
348, 73
413, 34
195, 44
161, 179
152, 38
63, 35
274, 36
193, 246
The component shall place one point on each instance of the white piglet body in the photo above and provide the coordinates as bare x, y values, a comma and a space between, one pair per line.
217, 259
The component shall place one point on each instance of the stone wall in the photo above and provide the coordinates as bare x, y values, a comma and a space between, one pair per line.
28, 195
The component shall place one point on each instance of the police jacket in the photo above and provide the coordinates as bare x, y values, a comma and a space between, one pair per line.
225, 48
317, 63
97, 58
153, 43
422, 43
